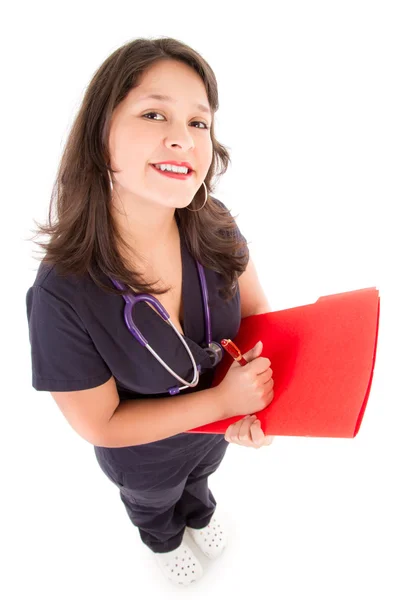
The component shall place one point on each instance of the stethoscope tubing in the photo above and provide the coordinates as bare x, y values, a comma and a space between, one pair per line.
131, 299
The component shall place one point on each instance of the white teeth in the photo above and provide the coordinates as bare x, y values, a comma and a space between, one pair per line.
173, 168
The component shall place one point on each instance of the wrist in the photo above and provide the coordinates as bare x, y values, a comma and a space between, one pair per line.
221, 402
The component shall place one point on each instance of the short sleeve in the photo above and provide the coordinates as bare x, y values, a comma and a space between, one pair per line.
64, 357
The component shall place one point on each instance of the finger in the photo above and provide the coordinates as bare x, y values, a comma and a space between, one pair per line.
236, 427
244, 431
257, 434
251, 354
258, 367
233, 430
265, 376
228, 434
269, 397
268, 440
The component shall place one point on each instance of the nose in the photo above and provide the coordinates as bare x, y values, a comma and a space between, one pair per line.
179, 135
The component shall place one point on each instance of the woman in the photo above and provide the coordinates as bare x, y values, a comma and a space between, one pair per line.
123, 224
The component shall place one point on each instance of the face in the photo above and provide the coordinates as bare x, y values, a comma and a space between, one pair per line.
148, 131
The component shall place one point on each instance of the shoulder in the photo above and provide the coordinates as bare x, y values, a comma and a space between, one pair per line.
67, 287
64, 354
61, 298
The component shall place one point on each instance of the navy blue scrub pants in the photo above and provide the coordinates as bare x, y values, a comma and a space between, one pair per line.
168, 493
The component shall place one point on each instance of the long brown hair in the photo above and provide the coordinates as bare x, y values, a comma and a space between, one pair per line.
83, 236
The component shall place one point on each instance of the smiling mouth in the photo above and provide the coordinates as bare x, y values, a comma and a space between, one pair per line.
169, 171
173, 174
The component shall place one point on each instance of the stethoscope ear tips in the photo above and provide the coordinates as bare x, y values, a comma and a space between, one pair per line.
174, 390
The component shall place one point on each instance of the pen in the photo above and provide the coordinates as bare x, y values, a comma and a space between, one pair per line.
234, 351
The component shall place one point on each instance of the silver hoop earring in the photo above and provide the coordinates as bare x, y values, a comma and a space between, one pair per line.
111, 183
204, 203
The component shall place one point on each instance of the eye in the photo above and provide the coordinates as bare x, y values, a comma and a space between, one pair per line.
151, 113
201, 123
156, 113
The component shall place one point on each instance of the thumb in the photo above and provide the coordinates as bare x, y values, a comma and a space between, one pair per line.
254, 352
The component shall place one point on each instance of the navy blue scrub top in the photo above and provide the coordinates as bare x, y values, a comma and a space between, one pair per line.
79, 337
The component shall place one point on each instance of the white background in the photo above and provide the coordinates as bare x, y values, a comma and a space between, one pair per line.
309, 108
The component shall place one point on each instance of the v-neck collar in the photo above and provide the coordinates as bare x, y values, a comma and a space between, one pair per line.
193, 305
183, 271
193, 326
186, 278
192, 297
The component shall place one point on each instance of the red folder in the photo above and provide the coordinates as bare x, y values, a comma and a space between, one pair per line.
322, 356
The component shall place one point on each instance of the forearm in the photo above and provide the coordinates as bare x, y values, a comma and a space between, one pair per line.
143, 421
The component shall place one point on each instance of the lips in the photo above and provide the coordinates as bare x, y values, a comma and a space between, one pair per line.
172, 174
176, 164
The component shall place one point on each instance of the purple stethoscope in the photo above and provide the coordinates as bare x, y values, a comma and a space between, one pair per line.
213, 349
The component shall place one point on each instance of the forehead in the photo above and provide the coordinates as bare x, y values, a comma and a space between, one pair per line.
170, 99
172, 82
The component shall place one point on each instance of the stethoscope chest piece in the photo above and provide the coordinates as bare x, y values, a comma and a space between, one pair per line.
215, 352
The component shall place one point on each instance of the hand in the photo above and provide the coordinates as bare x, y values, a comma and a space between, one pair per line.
247, 432
247, 389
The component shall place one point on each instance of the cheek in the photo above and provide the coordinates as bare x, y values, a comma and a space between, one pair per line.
209, 152
204, 152
132, 155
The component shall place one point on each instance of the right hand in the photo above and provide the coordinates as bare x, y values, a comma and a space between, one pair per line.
249, 389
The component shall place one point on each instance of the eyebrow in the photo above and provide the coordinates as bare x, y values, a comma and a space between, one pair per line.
165, 98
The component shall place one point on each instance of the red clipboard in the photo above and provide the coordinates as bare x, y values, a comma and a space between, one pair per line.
322, 356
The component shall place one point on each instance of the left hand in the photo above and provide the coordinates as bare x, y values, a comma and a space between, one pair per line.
248, 432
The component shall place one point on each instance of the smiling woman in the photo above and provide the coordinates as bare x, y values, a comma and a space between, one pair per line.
128, 217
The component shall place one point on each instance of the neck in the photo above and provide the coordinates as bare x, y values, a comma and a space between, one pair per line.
149, 230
